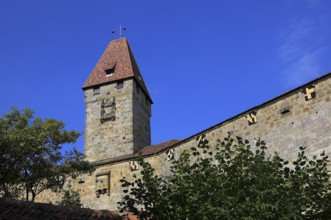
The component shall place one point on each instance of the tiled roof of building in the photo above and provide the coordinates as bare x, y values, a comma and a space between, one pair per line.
146, 151
116, 63
17, 210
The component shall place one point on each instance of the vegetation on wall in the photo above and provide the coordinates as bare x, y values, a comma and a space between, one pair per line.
232, 181
30, 157
70, 197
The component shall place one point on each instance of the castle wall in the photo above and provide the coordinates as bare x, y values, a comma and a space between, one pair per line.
285, 123
307, 123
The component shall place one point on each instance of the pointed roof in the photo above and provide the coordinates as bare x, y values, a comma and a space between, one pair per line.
116, 63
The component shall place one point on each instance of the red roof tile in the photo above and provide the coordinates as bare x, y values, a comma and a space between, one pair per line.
156, 148
15, 209
119, 59
146, 151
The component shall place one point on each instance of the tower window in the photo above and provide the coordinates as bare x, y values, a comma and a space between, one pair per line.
96, 90
120, 84
110, 71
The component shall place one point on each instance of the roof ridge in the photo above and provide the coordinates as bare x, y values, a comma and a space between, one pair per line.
136, 71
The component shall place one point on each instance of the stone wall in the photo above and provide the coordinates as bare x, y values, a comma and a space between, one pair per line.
300, 117
141, 118
124, 125
110, 135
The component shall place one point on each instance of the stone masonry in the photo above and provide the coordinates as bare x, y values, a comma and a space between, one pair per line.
300, 117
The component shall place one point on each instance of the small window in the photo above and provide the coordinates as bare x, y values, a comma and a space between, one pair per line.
110, 71
102, 184
285, 110
120, 84
96, 90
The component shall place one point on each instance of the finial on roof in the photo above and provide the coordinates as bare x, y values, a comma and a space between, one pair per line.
124, 30
112, 34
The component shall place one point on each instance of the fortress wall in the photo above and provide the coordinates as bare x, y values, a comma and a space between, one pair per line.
285, 123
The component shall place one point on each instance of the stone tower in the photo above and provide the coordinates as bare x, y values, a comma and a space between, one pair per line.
118, 105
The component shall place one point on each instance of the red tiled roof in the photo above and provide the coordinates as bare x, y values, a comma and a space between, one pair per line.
126, 215
118, 57
156, 148
146, 151
15, 209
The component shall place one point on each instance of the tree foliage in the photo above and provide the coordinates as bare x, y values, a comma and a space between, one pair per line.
232, 181
70, 197
30, 156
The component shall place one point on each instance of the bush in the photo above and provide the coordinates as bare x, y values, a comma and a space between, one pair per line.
232, 181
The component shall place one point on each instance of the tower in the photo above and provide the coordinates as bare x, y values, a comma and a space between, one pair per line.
117, 105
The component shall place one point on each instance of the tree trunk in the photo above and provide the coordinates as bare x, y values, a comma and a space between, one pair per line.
33, 196
27, 192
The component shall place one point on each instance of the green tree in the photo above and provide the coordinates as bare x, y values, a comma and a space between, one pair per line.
232, 181
70, 197
31, 159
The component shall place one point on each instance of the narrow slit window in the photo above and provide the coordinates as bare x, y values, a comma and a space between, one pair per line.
285, 110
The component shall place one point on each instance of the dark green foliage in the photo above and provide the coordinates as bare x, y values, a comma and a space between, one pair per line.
70, 198
30, 157
232, 181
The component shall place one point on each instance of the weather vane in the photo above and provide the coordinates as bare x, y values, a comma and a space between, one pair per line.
122, 29
112, 34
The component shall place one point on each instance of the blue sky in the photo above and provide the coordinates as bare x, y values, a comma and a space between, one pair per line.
203, 61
